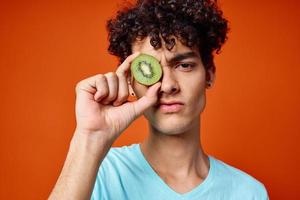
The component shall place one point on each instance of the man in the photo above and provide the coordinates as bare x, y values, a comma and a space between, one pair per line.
170, 163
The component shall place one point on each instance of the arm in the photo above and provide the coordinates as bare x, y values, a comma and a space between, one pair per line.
102, 114
78, 175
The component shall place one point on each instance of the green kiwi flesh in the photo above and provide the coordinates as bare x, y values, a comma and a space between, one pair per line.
146, 69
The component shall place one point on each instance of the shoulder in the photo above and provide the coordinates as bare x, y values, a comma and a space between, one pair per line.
121, 153
117, 168
121, 157
243, 183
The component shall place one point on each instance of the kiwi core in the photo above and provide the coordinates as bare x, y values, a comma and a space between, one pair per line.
146, 69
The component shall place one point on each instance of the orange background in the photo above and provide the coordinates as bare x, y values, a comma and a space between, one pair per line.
251, 120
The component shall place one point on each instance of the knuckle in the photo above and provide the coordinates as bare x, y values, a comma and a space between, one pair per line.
111, 74
101, 83
121, 76
100, 80
78, 86
119, 73
99, 76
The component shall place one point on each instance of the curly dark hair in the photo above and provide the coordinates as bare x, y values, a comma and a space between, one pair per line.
192, 22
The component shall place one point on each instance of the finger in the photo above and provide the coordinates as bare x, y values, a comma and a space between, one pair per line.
88, 84
148, 100
112, 81
102, 88
122, 91
125, 66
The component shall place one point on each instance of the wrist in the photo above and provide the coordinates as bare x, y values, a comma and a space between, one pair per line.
95, 143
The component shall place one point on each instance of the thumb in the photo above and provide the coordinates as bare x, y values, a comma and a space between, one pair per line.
146, 101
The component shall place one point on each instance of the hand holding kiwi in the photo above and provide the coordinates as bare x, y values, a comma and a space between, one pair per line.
101, 102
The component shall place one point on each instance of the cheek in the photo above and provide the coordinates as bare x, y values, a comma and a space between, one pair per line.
196, 95
195, 92
139, 89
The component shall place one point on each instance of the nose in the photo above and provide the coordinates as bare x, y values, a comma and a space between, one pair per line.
169, 84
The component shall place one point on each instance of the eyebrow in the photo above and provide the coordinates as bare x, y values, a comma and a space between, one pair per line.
182, 56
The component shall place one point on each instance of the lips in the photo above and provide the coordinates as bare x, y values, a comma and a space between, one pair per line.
170, 106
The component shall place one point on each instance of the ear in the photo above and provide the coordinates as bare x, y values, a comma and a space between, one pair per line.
210, 77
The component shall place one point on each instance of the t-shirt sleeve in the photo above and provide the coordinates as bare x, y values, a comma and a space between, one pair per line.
264, 193
97, 190
107, 178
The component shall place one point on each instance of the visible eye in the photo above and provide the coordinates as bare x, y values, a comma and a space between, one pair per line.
185, 66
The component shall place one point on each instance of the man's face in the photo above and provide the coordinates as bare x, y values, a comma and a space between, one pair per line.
181, 97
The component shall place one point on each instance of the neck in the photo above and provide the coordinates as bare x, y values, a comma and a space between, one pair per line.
179, 155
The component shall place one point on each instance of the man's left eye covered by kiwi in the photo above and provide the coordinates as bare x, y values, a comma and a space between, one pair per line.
146, 69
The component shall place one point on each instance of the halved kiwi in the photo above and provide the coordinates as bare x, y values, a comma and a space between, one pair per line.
146, 69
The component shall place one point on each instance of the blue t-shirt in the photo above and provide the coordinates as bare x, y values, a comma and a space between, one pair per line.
126, 174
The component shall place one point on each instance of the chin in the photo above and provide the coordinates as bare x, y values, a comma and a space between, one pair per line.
171, 126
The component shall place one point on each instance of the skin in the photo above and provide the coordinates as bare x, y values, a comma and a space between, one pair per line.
173, 146
102, 113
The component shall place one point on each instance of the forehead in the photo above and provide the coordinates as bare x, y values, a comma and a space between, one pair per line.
144, 46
